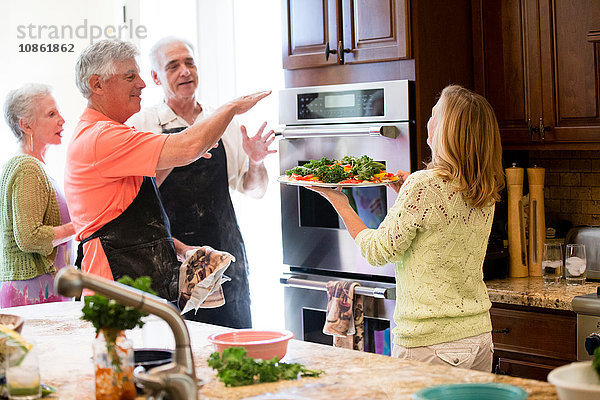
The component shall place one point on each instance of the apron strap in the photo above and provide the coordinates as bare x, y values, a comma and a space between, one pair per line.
79, 259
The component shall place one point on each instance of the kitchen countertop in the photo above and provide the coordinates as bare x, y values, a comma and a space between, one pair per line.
533, 292
65, 362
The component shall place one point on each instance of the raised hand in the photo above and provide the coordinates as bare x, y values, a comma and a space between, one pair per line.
257, 147
244, 103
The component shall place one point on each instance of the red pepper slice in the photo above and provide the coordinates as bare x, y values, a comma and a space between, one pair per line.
305, 177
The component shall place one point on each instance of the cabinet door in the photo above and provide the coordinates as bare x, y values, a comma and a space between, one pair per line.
535, 333
375, 30
524, 369
308, 26
507, 66
570, 70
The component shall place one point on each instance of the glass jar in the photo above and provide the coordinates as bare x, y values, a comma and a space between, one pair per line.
113, 364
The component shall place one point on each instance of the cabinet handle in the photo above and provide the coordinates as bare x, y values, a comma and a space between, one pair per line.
505, 330
498, 371
541, 129
329, 51
340, 52
530, 128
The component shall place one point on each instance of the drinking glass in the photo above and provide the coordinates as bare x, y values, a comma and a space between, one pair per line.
552, 262
575, 264
22, 371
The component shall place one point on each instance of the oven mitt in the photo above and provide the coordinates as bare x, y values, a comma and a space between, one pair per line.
344, 317
201, 277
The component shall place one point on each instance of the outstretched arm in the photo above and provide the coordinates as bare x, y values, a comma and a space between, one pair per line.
191, 143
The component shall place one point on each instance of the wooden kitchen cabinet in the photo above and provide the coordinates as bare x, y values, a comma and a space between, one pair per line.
535, 63
358, 31
530, 342
427, 47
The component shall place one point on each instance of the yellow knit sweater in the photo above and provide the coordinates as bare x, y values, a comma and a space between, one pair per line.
437, 242
29, 210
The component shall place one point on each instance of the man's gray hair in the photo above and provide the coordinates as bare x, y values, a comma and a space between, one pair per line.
99, 59
161, 43
21, 103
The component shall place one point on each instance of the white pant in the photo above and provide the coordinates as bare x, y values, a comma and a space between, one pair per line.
474, 352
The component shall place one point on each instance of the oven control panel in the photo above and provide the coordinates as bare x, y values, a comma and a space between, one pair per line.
341, 104
367, 102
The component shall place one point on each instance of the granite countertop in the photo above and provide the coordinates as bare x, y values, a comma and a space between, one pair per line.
65, 362
533, 292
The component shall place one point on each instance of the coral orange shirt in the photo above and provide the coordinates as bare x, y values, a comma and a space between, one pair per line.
105, 166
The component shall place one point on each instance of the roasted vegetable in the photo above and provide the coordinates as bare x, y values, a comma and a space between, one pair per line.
334, 174
332, 171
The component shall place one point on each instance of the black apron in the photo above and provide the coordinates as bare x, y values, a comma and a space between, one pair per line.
138, 242
197, 201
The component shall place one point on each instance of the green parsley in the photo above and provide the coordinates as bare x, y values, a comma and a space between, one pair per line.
106, 313
235, 369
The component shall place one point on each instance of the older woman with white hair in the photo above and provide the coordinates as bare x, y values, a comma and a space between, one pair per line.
34, 220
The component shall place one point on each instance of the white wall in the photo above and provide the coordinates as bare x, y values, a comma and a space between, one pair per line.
56, 68
259, 67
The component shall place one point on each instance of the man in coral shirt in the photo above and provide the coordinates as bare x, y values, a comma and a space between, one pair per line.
109, 184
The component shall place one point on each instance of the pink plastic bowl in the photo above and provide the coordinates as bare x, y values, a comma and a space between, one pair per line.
258, 344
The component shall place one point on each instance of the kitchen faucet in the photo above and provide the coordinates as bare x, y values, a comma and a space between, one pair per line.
175, 380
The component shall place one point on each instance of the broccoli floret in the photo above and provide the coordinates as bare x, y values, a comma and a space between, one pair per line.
321, 171
301, 170
350, 160
335, 174
314, 164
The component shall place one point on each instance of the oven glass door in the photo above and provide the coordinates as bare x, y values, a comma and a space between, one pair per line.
314, 237
306, 309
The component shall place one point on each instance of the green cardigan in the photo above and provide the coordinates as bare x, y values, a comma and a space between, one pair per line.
28, 212
437, 242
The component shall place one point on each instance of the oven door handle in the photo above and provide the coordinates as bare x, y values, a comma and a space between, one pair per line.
390, 131
378, 293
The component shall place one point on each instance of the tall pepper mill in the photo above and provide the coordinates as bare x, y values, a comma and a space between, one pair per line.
537, 220
517, 242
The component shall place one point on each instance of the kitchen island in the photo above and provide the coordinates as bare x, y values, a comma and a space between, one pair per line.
66, 350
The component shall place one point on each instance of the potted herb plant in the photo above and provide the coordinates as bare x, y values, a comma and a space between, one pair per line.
113, 352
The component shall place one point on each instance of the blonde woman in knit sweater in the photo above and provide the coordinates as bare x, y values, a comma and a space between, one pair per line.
35, 226
436, 234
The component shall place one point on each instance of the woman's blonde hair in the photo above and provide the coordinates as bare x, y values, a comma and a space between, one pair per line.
465, 145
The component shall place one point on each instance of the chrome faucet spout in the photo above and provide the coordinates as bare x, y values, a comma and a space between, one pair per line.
177, 379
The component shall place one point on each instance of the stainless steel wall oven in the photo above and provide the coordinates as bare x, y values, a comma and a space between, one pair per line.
371, 119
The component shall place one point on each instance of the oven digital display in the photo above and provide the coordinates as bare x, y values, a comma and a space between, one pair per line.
340, 100
341, 104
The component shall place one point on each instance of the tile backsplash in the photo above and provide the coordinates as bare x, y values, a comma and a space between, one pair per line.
572, 185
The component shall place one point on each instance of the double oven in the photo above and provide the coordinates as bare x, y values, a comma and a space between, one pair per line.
373, 119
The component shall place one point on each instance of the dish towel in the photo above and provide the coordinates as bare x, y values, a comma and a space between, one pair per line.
201, 277
344, 319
